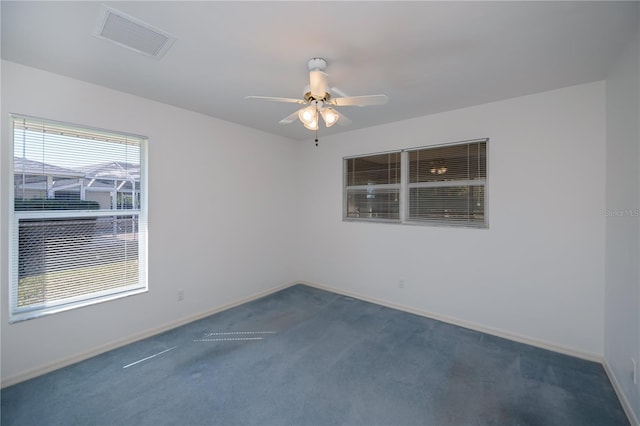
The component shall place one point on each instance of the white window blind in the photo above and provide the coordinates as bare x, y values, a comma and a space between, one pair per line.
446, 184
78, 222
373, 187
440, 185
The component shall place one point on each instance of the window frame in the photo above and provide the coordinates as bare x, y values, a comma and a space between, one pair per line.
16, 313
405, 187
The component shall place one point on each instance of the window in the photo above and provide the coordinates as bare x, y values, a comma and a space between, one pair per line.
373, 187
442, 185
78, 222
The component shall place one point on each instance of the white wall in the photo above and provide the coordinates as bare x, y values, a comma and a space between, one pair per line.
622, 297
537, 272
216, 229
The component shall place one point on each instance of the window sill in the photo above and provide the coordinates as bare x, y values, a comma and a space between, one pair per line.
38, 313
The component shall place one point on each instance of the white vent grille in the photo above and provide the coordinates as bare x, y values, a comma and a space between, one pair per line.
132, 33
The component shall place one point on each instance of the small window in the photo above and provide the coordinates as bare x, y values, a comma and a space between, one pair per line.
78, 222
373, 187
441, 185
446, 184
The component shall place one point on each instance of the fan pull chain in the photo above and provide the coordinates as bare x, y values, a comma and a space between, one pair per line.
317, 136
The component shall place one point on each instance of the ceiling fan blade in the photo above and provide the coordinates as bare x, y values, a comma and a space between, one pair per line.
360, 100
339, 92
318, 84
276, 99
290, 118
344, 120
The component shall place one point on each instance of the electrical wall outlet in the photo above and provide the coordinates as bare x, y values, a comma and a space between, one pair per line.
180, 295
400, 283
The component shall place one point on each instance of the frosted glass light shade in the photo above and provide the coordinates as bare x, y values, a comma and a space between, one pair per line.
330, 116
308, 115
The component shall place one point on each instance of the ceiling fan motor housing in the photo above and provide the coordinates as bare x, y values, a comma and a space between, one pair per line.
309, 97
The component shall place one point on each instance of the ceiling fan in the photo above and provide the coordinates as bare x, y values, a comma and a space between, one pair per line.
319, 102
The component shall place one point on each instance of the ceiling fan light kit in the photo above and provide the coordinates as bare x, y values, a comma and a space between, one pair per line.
319, 102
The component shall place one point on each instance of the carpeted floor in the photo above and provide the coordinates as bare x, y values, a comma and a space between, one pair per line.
303, 356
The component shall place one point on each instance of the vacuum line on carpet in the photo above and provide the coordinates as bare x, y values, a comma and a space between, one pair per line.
149, 357
227, 338
224, 333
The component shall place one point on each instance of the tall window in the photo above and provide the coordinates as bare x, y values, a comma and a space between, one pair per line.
79, 217
443, 185
373, 187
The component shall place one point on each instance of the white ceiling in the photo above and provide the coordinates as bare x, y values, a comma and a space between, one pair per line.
427, 57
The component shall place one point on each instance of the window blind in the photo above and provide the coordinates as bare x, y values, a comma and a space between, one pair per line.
373, 187
443, 185
447, 184
79, 216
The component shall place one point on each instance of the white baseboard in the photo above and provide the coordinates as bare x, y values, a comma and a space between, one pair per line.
626, 406
30, 374
466, 324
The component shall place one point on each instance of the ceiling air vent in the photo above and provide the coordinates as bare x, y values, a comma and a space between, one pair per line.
132, 33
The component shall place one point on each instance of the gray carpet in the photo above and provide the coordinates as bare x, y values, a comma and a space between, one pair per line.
303, 356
